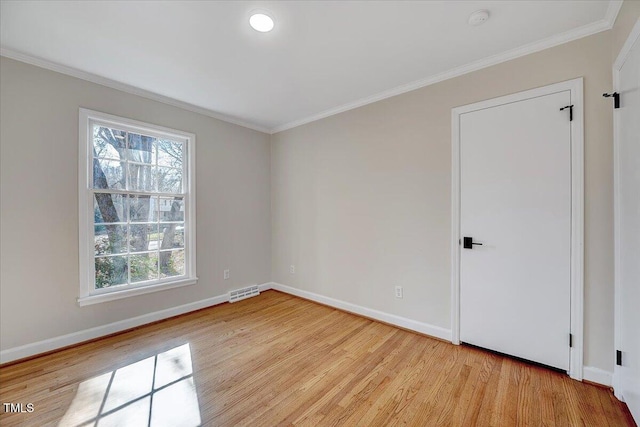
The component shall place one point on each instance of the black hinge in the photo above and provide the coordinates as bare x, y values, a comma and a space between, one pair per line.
570, 340
618, 358
570, 107
616, 98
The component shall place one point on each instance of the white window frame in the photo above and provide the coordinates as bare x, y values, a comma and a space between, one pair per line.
88, 293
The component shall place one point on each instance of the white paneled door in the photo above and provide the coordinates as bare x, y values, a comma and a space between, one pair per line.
628, 230
516, 227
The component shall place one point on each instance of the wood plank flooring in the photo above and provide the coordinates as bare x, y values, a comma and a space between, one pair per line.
279, 360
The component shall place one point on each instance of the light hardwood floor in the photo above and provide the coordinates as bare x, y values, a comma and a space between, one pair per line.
280, 360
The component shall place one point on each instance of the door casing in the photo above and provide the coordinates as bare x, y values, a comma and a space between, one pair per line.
577, 210
634, 37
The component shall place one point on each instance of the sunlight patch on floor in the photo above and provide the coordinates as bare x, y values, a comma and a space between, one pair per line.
156, 391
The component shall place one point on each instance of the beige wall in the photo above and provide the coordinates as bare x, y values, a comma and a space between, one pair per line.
39, 204
627, 18
361, 200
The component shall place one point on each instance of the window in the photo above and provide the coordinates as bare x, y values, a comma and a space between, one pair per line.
137, 208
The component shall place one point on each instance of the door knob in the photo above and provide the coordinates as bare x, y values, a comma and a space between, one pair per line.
467, 243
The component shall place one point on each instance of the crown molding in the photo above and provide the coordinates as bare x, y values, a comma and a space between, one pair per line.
577, 33
123, 87
612, 11
603, 25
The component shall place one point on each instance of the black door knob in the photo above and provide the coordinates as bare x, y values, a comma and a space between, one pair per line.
467, 243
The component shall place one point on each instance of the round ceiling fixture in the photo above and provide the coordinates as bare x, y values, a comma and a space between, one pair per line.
261, 22
478, 17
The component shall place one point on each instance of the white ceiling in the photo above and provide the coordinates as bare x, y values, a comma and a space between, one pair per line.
321, 58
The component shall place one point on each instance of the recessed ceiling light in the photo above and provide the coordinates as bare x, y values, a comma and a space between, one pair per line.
478, 17
261, 22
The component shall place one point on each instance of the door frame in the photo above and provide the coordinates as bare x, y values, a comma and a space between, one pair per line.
577, 210
634, 37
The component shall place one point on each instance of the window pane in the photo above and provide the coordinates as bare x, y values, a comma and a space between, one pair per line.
111, 271
140, 148
108, 142
172, 235
171, 263
108, 174
143, 237
141, 177
169, 180
143, 208
139, 190
144, 267
169, 153
110, 239
171, 209
108, 207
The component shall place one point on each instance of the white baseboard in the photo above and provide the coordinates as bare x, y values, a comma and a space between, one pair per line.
265, 286
55, 343
615, 383
403, 322
592, 374
597, 375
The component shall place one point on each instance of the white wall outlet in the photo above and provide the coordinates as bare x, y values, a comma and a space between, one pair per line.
292, 269
398, 291
226, 274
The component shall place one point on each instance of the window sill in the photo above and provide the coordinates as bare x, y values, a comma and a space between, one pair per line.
126, 293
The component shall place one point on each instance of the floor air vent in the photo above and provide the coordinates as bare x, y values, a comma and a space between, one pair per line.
240, 294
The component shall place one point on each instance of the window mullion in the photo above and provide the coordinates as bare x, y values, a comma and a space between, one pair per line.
158, 226
138, 193
128, 254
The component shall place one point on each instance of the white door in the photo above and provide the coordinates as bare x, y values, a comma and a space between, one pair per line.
628, 231
515, 202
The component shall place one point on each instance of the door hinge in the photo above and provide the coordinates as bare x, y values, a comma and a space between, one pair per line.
570, 340
570, 107
616, 98
618, 358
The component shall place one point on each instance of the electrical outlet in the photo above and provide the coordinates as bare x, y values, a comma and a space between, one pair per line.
292, 269
398, 291
226, 274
